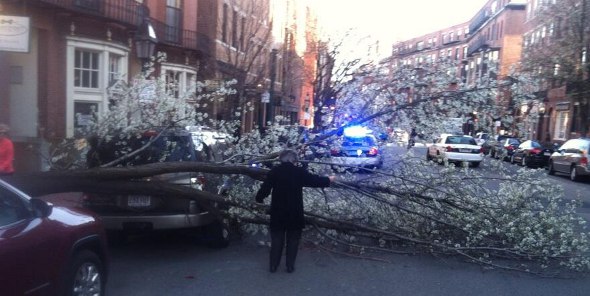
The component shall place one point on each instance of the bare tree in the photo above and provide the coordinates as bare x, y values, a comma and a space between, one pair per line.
244, 55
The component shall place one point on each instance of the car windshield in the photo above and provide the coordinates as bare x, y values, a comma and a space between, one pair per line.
460, 140
512, 141
358, 141
170, 146
535, 145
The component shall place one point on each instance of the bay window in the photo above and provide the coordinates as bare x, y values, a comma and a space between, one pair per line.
93, 66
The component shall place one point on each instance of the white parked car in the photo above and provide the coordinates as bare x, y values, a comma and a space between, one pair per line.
455, 148
481, 138
205, 136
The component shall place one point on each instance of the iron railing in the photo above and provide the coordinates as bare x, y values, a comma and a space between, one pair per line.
128, 12
480, 42
175, 36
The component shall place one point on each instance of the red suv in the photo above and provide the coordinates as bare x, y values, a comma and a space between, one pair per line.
47, 249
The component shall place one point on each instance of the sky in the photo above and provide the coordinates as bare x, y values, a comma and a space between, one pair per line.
394, 20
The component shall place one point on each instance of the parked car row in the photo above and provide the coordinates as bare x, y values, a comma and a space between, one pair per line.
570, 158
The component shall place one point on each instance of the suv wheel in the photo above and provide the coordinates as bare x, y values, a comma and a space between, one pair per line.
216, 235
551, 170
574, 174
85, 275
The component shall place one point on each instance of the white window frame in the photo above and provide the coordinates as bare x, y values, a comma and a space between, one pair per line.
186, 79
99, 95
561, 122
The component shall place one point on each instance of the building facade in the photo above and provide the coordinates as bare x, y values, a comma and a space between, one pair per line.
555, 54
489, 44
72, 53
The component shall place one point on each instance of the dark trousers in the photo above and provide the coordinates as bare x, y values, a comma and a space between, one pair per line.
277, 241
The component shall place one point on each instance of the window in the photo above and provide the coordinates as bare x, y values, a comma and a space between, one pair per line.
420, 45
114, 68
242, 33
84, 114
224, 24
556, 70
561, 121
94, 67
234, 29
172, 21
86, 72
12, 208
180, 80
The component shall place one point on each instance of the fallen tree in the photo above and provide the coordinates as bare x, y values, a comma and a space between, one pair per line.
412, 207
518, 222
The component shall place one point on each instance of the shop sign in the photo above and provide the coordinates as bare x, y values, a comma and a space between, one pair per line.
14, 33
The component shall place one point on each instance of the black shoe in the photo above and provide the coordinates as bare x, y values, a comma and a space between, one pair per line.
290, 269
273, 269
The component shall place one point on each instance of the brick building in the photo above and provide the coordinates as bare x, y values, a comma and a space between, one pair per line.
70, 53
492, 37
554, 51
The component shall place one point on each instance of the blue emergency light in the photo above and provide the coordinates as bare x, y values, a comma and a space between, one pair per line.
355, 131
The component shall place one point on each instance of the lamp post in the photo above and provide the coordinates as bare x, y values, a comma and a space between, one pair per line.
541, 122
145, 43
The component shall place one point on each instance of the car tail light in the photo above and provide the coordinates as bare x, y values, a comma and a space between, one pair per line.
535, 151
150, 133
481, 150
451, 149
584, 161
334, 152
508, 147
373, 151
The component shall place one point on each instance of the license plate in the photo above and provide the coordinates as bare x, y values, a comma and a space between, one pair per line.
139, 201
464, 150
359, 152
547, 153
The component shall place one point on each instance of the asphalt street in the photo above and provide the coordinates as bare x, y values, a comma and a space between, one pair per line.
176, 266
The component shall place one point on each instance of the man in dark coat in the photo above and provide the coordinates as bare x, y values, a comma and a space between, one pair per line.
286, 181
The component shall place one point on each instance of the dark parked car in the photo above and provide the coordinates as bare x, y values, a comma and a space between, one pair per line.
489, 142
571, 158
47, 249
531, 153
126, 213
504, 148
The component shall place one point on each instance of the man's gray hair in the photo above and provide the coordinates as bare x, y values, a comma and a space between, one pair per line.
288, 155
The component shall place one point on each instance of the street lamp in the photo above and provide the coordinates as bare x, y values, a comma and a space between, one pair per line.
145, 43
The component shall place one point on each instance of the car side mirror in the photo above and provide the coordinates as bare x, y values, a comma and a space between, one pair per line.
41, 208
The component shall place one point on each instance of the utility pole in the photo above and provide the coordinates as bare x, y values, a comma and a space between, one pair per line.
271, 89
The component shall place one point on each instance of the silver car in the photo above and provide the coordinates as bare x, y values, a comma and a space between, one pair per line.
571, 158
358, 151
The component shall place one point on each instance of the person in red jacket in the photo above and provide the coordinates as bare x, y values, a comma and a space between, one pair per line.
6, 151
286, 182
